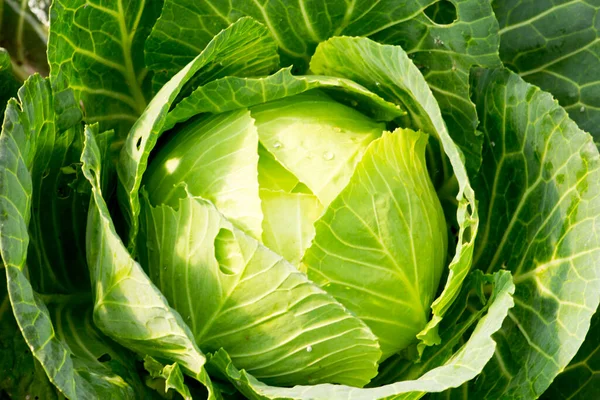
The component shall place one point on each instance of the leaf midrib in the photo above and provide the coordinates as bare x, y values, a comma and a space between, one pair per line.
126, 39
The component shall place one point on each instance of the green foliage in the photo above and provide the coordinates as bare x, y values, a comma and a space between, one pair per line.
299, 200
99, 46
541, 225
38, 144
556, 46
8, 82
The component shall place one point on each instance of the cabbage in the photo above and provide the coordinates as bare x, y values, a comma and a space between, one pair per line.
322, 200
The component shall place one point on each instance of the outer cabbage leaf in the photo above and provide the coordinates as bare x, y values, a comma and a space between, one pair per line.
473, 302
50, 119
92, 353
556, 46
581, 378
8, 82
127, 306
171, 374
222, 52
241, 296
444, 51
380, 247
21, 373
447, 369
98, 45
539, 194
95, 354
387, 71
186, 26
38, 142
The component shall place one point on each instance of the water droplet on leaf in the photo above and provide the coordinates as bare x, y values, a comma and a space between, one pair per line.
278, 145
309, 349
582, 109
328, 156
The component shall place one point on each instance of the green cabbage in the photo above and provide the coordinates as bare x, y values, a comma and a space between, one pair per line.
317, 200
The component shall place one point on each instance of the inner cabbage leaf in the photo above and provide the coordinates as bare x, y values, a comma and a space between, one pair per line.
380, 247
235, 293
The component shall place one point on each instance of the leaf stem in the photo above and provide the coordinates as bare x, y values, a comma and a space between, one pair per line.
21, 72
20, 56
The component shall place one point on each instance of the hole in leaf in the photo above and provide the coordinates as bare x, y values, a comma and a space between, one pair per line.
138, 144
228, 252
104, 358
442, 13
467, 235
94, 175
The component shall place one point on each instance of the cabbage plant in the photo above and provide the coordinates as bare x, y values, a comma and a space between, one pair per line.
318, 200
